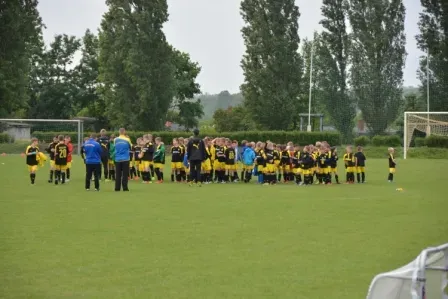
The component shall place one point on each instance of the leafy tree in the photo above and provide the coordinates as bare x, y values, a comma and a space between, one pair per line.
20, 36
433, 35
332, 49
88, 100
186, 87
136, 68
54, 86
232, 119
378, 57
317, 104
271, 64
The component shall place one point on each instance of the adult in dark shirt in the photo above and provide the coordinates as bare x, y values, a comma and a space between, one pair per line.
104, 140
196, 154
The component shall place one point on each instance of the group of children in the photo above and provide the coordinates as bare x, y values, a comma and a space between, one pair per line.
60, 151
270, 163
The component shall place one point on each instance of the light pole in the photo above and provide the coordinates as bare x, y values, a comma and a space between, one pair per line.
428, 128
308, 128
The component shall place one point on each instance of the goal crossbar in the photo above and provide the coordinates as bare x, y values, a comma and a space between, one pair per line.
78, 122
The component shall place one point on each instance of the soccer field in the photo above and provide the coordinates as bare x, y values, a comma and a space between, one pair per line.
218, 241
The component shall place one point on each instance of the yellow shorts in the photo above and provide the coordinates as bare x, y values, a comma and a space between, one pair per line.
69, 165
334, 170
350, 169
325, 170
248, 167
32, 168
286, 168
159, 165
307, 171
141, 167
52, 163
297, 170
219, 165
61, 167
260, 168
360, 169
391, 170
186, 169
131, 164
206, 165
277, 163
270, 168
146, 164
231, 167
176, 165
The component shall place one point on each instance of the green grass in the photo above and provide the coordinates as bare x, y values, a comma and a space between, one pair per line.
220, 241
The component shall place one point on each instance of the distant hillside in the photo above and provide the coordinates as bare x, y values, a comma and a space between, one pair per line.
223, 100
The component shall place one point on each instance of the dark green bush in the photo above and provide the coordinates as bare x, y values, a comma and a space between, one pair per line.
6, 138
436, 141
389, 140
419, 141
362, 141
301, 138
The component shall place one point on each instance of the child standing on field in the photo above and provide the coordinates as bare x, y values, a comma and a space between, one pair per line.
360, 160
31, 153
392, 164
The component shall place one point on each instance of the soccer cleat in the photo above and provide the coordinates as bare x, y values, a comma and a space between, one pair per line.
159, 182
87, 189
107, 180
50, 181
97, 190
68, 180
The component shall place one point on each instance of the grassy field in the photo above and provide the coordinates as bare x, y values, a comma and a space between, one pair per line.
220, 241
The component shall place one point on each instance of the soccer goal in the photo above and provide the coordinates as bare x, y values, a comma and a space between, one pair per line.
22, 130
426, 277
431, 123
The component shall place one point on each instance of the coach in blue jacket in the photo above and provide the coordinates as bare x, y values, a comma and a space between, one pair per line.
93, 151
122, 154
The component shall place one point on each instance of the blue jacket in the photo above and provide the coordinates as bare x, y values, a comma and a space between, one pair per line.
248, 156
241, 152
92, 151
186, 160
122, 148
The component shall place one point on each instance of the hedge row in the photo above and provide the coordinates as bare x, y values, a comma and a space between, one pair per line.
6, 138
392, 140
432, 141
167, 136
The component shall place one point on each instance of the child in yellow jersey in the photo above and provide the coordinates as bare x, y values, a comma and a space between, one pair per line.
392, 164
32, 152
349, 161
206, 166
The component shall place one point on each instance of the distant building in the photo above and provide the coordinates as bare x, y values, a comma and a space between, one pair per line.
18, 131
170, 126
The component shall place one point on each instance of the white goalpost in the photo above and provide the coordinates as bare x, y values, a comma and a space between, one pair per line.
23, 129
431, 123
426, 277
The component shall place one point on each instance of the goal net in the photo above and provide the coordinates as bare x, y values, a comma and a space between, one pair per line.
429, 123
20, 131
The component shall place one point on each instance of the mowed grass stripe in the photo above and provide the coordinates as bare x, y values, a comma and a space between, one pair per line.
218, 241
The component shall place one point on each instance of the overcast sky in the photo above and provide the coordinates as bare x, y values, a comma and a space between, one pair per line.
210, 31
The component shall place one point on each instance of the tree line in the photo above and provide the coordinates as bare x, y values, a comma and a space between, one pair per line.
129, 75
